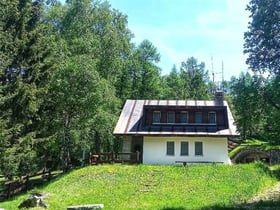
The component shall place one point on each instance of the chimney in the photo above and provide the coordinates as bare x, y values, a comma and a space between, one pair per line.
219, 98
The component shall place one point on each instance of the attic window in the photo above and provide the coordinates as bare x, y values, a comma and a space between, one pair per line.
198, 117
156, 116
170, 117
184, 117
212, 117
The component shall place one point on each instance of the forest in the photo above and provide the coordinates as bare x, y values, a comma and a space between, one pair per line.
67, 69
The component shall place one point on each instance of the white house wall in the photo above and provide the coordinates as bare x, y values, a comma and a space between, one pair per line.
214, 150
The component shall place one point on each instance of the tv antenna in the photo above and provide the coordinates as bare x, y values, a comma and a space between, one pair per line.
217, 77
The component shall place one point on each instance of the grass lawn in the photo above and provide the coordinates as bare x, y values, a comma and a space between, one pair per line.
155, 187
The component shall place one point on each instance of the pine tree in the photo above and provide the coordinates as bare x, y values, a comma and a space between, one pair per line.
194, 79
26, 64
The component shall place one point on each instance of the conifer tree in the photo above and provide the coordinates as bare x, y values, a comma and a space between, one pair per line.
25, 66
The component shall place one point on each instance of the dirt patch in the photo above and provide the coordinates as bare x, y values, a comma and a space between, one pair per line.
267, 199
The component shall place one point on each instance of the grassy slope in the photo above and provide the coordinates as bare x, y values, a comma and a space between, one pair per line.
154, 187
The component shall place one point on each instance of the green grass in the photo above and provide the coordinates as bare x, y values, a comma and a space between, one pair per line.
155, 187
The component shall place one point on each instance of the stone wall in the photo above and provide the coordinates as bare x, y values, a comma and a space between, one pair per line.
251, 154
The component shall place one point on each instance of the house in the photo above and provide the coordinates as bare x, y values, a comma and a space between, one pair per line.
170, 131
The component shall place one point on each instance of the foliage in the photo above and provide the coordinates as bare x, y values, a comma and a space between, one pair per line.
194, 79
66, 69
26, 65
144, 75
156, 187
60, 65
272, 119
262, 40
256, 106
247, 144
262, 46
247, 98
255, 143
82, 92
173, 85
192, 82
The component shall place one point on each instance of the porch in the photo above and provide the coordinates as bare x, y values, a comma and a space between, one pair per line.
115, 157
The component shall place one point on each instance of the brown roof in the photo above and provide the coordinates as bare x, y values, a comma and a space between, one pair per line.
130, 120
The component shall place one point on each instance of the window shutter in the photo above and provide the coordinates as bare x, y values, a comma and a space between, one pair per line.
184, 148
170, 147
198, 148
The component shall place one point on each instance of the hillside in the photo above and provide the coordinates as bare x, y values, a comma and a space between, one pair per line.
155, 187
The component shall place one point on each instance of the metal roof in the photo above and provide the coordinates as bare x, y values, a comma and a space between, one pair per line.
130, 120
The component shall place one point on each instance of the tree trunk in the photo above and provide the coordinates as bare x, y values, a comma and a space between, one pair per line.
97, 142
66, 160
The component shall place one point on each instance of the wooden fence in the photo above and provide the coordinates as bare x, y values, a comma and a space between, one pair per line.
114, 157
24, 183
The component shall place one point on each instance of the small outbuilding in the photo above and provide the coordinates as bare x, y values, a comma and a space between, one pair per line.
170, 131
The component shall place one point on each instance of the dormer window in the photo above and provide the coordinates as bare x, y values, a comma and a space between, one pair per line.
212, 117
184, 117
198, 117
170, 117
156, 116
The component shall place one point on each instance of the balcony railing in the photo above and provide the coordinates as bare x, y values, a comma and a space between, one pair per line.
114, 157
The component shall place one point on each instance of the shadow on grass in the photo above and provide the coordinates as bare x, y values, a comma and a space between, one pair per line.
260, 205
276, 173
37, 183
270, 204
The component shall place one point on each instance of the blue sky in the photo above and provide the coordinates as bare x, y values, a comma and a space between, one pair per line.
210, 30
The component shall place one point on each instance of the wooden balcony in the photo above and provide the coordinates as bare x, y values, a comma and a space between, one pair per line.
115, 157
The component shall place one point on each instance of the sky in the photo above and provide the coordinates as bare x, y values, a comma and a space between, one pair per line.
211, 31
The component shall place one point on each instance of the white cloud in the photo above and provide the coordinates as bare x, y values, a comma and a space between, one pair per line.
215, 33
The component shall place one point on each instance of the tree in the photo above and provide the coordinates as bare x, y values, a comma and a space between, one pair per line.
272, 106
92, 39
194, 79
247, 96
79, 96
262, 44
262, 40
26, 66
114, 47
173, 85
145, 75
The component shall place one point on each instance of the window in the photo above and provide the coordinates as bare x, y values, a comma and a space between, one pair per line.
170, 117
170, 147
184, 117
156, 117
198, 117
212, 117
198, 148
184, 148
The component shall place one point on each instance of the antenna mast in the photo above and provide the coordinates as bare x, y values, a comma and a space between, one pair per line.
222, 70
213, 74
